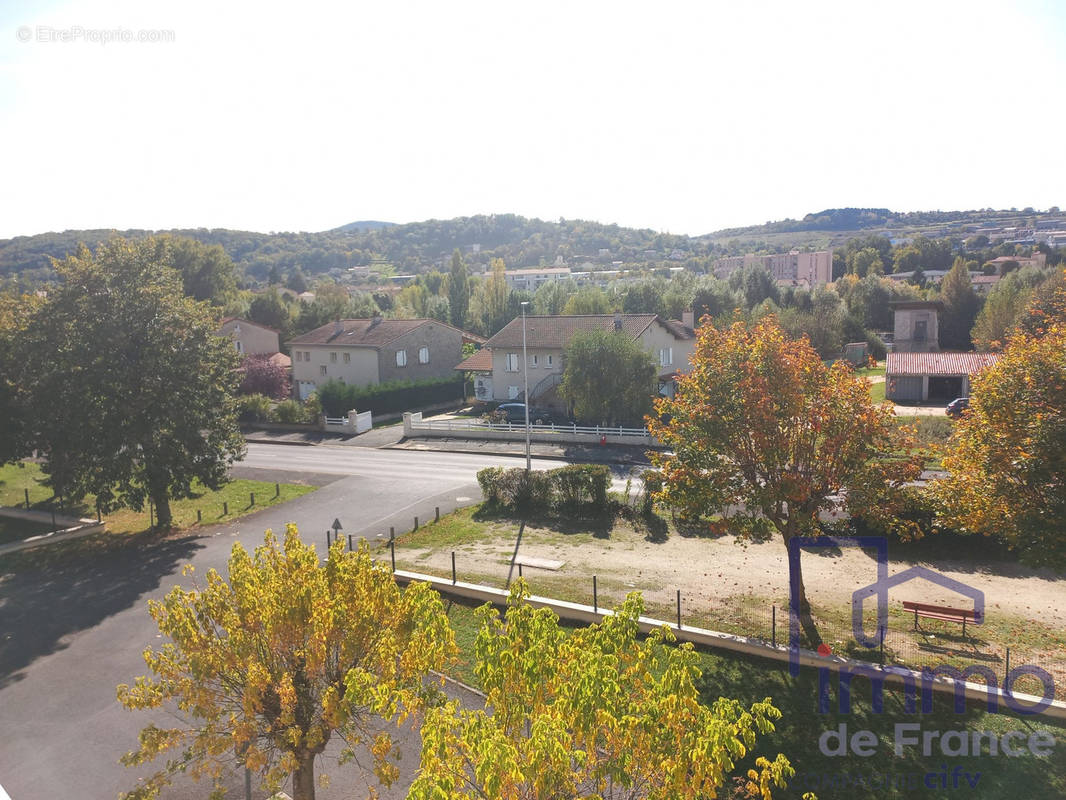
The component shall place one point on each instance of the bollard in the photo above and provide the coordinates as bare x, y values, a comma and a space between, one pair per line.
595, 597
392, 548
882, 646
251, 498
98, 518
54, 528
327, 538
151, 515
416, 524
519, 569
27, 493
773, 625
1006, 672
436, 518
679, 609
349, 543
199, 515
277, 490
225, 508
453, 568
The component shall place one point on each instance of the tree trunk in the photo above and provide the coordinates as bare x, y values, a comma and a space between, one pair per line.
303, 779
161, 501
805, 619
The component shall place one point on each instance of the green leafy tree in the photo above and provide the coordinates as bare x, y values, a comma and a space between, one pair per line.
550, 297
1003, 306
269, 309
645, 297
297, 281
267, 667
866, 262
762, 431
961, 307
609, 378
588, 300
598, 713
129, 390
458, 291
207, 271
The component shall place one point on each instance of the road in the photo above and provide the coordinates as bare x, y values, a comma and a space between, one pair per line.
70, 634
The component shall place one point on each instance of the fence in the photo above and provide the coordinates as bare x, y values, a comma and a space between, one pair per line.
352, 424
415, 426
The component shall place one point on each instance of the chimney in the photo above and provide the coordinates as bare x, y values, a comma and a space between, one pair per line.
375, 320
338, 328
617, 321
688, 318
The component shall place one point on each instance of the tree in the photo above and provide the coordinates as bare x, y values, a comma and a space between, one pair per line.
645, 297
961, 306
207, 271
609, 378
458, 291
270, 665
129, 390
269, 309
492, 299
1006, 459
297, 282
762, 431
551, 296
1004, 304
866, 262
597, 713
588, 300
262, 375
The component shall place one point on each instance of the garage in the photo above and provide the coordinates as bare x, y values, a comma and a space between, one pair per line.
934, 378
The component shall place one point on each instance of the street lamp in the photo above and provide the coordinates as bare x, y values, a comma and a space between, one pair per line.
525, 379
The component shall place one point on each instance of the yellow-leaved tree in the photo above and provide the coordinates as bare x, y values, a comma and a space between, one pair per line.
598, 713
267, 667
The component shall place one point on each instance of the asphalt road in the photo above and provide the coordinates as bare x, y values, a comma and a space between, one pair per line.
69, 635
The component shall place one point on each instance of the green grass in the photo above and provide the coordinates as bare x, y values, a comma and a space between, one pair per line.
877, 392
752, 679
868, 372
230, 502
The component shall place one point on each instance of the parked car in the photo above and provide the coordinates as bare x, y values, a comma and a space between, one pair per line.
516, 413
957, 406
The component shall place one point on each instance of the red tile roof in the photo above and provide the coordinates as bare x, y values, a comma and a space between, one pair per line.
556, 331
480, 361
363, 332
938, 363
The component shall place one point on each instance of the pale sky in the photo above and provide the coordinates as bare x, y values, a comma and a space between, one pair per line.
677, 116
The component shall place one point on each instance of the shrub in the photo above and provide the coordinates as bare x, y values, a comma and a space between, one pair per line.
255, 408
290, 412
312, 408
489, 480
581, 483
383, 398
261, 375
653, 483
524, 491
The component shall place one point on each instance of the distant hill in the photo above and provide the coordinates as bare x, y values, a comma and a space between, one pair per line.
521, 242
363, 225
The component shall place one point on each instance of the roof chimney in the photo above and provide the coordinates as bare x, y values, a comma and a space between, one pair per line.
375, 320
617, 321
688, 318
338, 328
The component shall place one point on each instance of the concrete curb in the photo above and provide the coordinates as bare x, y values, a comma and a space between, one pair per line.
76, 528
279, 441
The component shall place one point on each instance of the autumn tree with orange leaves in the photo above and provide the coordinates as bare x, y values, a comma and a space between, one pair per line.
764, 433
1007, 456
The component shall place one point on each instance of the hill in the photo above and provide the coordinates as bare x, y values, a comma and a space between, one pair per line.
521, 242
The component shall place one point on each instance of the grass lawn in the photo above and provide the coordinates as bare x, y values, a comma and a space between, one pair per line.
230, 502
751, 679
877, 392
868, 372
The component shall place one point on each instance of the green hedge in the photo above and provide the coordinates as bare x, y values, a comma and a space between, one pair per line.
384, 398
572, 485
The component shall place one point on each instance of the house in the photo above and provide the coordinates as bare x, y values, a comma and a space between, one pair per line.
915, 326
497, 367
532, 279
790, 269
250, 338
376, 350
932, 377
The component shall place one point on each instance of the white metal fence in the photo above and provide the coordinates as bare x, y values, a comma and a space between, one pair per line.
415, 426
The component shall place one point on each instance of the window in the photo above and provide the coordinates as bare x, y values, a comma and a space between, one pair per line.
512, 392
550, 359
533, 361
322, 370
401, 358
307, 355
919, 330
423, 355
347, 358
332, 358
299, 355
512, 362
240, 346
666, 357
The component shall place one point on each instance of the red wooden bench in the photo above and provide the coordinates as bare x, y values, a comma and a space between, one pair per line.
962, 615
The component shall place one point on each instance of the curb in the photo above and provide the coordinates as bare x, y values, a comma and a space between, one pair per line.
280, 441
553, 457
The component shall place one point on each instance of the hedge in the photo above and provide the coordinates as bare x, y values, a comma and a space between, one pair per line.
339, 398
572, 485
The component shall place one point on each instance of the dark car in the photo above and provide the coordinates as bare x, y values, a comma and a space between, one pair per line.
516, 413
957, 406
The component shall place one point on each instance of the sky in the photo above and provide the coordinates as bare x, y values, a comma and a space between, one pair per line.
685, 117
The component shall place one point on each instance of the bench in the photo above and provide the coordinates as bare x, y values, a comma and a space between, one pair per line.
962, 615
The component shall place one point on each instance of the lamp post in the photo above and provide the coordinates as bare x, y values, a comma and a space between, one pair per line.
525, 380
